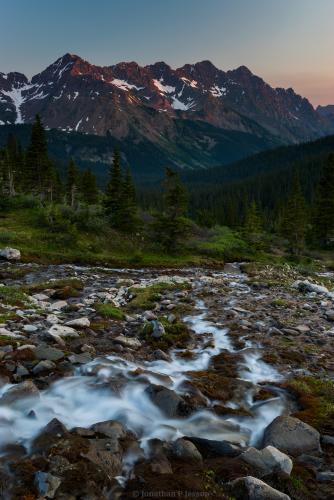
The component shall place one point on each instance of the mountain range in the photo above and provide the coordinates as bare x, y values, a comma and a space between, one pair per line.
194, 116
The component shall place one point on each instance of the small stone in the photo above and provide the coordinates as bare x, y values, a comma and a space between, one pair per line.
48, 353
302, 328
171, 318
159, 354
158, 329
62, 331
21, 371
40, 297
30, 328
330, 314
58, 305
130, 342
149, 316
52, 319
254, 489
325, 476
326, 439
47, 484
79, 322
43, 366
80, 359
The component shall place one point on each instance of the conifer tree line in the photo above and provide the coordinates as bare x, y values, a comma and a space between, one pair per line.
33, 172
299, 217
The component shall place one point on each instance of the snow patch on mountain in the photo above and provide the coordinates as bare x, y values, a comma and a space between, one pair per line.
122, 84
17, 98
218, 91
164, 89
192, 83
177, 104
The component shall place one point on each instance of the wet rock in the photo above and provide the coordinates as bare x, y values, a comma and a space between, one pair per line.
211, 448
130, 342
102, 454
78, 322
43, 366
9, 253
47, 484
159, 354
110, 428
251, 488
325, 476
310, 460
80, 359
158, 329
49, 436
160, 464
292, 436
21, 371
185, 450
267, 460
327, 439
17, 392
170, 403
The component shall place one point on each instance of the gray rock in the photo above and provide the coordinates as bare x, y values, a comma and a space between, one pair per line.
171, 318
49, 353
19, 391
310, 460
30, 328
326, 439
52, 319
10, 253
254, 489
58, 305
79, 322
40, 297
47, 484
267, 460
149, 315
80, 359
130, 342
110, 428
7, 333
330, 314
62, 331
167, 400
292, 436
43, 366
186, 450
21, 371
210, 448
158, 329
159, 354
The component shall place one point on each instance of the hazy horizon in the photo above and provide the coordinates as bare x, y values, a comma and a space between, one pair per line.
287, 44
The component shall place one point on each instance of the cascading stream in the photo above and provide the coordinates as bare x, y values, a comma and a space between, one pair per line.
87, 397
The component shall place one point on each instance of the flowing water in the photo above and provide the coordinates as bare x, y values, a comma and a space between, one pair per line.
90, 395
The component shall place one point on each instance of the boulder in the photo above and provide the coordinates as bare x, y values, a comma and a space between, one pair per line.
158, 329
10, 253
210, 448
80, 359
49, 436
19, 391
79, 322
267, 460
170, 403
185, 450
292, 436
251, 488
58, 305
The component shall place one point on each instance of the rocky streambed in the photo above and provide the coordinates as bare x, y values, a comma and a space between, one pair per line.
145, 383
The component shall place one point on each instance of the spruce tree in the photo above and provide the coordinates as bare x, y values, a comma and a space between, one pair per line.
114, 199
171, 226
128, 206
72, 184
88, 188
323, 219
294, 223
36, 167
253, 220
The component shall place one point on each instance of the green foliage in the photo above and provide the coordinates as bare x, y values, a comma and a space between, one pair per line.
89, 191
109, 311
171, 227
323, 219
145, 298
294, 224
72, 184
14, 296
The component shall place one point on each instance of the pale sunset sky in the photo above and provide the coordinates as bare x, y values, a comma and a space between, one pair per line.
289, 43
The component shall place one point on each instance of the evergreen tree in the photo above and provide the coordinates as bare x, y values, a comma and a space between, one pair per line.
294, 223
253, 220
171, 226
114, 199
128, 206
89, 191
323, 220
37, 161
72, 184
